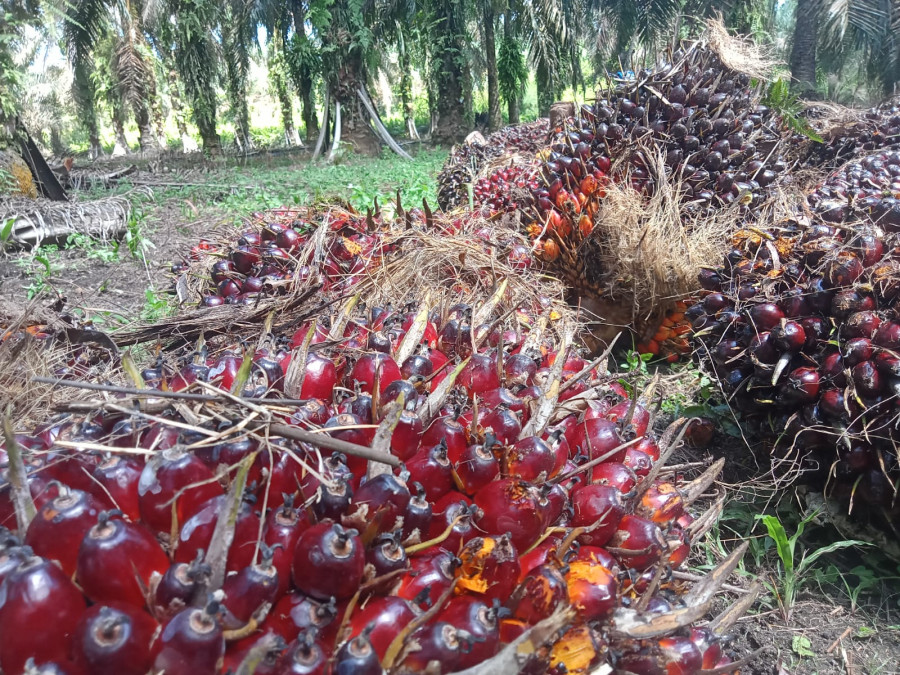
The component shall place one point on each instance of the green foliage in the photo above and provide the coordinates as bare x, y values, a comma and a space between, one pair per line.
157, 306
788, 106
795, 565
39, 268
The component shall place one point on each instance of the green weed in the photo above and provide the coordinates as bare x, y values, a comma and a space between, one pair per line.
39, 268
795, 564
157, 305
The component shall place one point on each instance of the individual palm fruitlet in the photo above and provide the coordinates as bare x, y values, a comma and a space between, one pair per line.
801, 327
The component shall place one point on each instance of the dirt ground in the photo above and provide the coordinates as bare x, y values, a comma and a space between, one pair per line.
822, 635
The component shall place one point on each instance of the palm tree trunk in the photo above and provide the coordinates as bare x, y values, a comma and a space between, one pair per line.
452, 78
85, 99
279, 84
512, 104
195, 62
495, 120
303, 79
803, 53
406, 101
546, 90
56, 144
117, 113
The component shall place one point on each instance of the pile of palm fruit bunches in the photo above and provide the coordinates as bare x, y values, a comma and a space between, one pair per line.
352, 471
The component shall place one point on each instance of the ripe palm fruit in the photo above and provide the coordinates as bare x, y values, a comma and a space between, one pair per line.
808, 311
36, 590
115, 640
328, 561
191, 642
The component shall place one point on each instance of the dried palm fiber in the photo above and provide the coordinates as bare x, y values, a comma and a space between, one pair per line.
38, 221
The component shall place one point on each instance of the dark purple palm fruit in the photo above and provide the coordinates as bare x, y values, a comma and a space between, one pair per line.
820, 323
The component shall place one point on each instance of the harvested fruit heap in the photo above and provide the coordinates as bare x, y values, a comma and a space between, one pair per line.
849, 134
442, 485
476, 161
802, 327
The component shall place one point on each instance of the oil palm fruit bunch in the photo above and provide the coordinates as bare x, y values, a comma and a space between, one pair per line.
380, 490
802, 328
505, 189
468, 161
877, 128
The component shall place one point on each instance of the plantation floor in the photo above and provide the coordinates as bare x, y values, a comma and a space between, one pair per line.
180, 199
846, 616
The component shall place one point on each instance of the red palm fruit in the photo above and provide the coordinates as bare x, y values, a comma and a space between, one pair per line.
178, 477
417, 364
614, 474
595, 554
191, 642
384, 497
640, 540
802, 385
360, 406
439, 363
476, 468
431, 467
418, 514
505, 424
364, 371
328, 561
514, 506
489, 567
296, 613
251, 587
861, 324
634, 414
313, 413
501, 396
865, 375
407, 435
181, 585
478, 620
539, 555
119, 477
284, 526
304, 656
519, 369
598, 507
700, 432
197, 532
332, 499
383, 618
708, 644
320, 334
428, 577
479, 375
451, 432
667, 656
457, 514
765, 316
386, 555
319, 379
592, 588
539, 594
888, 335
579, 650
35, 594
116, 561
439, 642
679, 546
357, 656
597, 437
115, 640
530, 458
638, 461
661, 503
60, 525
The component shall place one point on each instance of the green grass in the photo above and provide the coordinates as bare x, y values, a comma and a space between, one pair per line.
265, 183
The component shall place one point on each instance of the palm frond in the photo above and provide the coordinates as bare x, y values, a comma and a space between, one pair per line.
85, 23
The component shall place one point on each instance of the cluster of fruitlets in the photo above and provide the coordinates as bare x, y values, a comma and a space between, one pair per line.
505, 189
468, 160
803, 330
879, 129
484, 529
704, 118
